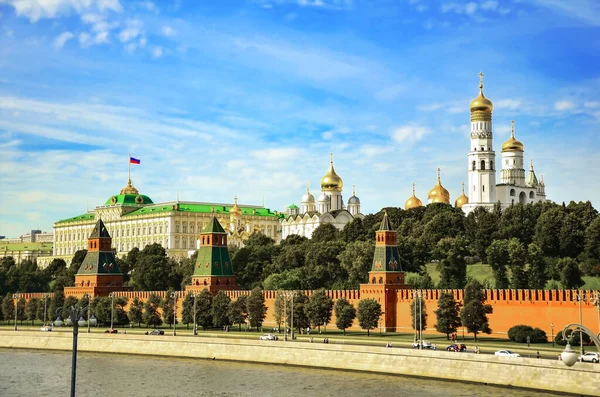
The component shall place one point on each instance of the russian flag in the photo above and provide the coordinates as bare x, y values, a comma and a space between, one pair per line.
133, 160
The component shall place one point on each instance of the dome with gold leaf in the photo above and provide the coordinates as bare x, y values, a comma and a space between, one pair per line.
129, 195
512, 145
462, 199
235, 210
413, 201
331, 181
439, 194
481, 103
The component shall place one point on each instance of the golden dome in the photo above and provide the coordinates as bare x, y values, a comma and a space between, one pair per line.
413, 201
463, 199
481, 103
235, 210
129, 189
512, 145
439, 194
332, 181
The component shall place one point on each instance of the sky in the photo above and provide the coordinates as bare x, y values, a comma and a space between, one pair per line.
247, 98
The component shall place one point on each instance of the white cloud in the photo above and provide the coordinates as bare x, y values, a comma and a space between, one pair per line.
489, 5
157, 52
168, 31
511, 104
84, 39
564, 105
148, 6
390, 92
409, 133
132, 31
470, 8
62, 39
8, 32
592, 104
583, 10
38, 9
101, 38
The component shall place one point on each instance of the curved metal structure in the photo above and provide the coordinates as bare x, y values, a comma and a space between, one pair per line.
569, 356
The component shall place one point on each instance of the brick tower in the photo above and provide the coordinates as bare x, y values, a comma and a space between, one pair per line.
213, 269
99, 273
386, 276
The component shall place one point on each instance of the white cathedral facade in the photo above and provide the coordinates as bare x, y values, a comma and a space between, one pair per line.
329, 208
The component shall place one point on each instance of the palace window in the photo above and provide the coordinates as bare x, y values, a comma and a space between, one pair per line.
483, 164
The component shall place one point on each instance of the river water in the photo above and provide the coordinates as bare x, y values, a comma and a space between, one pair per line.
47, 373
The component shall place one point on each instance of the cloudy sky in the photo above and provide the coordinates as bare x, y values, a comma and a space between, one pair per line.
248, 98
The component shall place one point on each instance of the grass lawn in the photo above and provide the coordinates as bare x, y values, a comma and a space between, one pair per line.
483, 273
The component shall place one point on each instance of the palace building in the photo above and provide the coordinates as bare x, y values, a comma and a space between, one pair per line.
134, 220
329, 208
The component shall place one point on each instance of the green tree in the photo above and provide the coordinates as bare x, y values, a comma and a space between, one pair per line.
498, 257
480, 226
591, 251
70, 301
354, 231
257, 310
344, 314
418, 313
120, 316
572, 236
324, 233
153, 270
31, 309
299, 303
537, 274
220, 306
287, 280
278, 309
453, 265
167, 306
570, 275
517, 221
204, 316
356, 260
448, 314
517, 257
57, 301
369, 313
187, 309
22, 313
319, 308
8, 307
474, 312
238, 311
323, 269
548, 231
136, 311
249, 263
150, 315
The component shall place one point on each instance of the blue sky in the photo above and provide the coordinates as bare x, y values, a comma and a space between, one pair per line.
248, 98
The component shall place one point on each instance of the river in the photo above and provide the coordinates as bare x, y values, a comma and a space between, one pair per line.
47, 373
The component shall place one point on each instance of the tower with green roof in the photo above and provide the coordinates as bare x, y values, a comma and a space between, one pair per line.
213, 269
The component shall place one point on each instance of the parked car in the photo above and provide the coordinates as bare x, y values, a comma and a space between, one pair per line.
268, 337
590, 357
507, 353
157, 332
111, 331
46, 328
457, 348
423, 343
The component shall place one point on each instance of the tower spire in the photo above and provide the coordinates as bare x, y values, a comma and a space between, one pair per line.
531, 164
439, 175
354, 190
331, 158
463, 188
307, 187
414, 188
481, 83
512, 129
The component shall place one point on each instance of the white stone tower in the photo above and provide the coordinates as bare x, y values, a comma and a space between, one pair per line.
513, 163
482, 173
354, 203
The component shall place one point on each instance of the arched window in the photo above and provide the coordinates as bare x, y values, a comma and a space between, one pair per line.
483, 188
531, 195
483, 164
373, 281
512, 192
380, 280
522, 198
473, 165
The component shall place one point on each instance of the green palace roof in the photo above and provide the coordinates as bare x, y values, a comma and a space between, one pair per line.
134, 199
293, 207
200, 208
89, 216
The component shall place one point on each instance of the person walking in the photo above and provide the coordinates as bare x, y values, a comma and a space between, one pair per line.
538, 354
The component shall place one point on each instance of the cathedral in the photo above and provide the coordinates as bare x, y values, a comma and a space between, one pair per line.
514, 187
329, 208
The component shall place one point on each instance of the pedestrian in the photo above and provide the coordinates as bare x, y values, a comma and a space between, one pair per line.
434, 346
538, 354
559, 357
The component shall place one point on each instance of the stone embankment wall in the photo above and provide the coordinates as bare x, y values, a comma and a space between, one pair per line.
582, 379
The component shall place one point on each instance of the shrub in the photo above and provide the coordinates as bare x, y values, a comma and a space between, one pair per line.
572, 337
519, 334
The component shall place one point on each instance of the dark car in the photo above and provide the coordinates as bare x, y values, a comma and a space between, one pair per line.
157, 332
457, 348
111, 331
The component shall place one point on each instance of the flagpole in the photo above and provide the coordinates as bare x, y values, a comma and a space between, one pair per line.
129, 168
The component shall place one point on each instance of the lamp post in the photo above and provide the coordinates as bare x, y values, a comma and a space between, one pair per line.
45, 299
569, 356
90, 320
16, 298
288, 294
75, 315
552, 326
174, 297
580, 298
112, 309
420, 321
596, 303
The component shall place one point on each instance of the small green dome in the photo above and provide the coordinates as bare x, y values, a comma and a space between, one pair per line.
134, 199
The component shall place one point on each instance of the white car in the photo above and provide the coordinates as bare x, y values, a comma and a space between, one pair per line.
507, 353
46, 328
268, 337
590, 357
424, 344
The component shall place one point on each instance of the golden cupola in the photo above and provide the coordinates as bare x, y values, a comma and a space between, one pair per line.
462, 199
331, 181
129, 189
512, 145
439, 194
235, 210
413, 201
481, 107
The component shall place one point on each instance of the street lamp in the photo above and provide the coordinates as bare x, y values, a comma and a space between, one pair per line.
174, 297
46, 296
112, 309
552, 326
195, 326
596, 303
75, 316
288, 294
569, 356
90, 320
16, 298
580, 298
